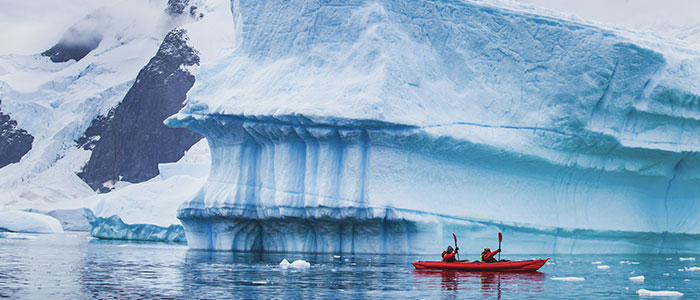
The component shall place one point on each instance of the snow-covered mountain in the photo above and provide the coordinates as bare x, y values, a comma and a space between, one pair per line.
93, 105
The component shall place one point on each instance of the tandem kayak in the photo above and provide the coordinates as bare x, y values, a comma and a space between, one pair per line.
476, 266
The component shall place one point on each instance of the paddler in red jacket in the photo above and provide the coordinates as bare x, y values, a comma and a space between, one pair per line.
488, 256
449, 255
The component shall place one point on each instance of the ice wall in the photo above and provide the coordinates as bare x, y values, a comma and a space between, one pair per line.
346, 126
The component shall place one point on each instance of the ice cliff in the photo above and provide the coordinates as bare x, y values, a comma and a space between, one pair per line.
383, 126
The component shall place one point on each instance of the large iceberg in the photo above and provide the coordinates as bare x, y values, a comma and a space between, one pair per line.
383, 126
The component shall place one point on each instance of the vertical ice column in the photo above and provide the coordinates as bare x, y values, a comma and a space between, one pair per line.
289, 161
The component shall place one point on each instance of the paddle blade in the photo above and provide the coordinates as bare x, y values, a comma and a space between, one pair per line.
500, 237
454, 236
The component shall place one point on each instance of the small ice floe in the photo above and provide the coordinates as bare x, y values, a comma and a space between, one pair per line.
627, 262
691, 269
666, 274
336, 256
300, 264
643, 292
681, 270
596, 262
259, 282
668, 258
639, 278
569, 278
686, 280
687, 259
603, 267
297, 264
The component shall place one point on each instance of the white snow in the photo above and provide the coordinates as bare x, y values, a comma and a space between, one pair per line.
21, 221
568, 278
686, 258
603, 267
644, 292
639, 278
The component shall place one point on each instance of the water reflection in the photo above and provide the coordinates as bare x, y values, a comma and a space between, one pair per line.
491, 284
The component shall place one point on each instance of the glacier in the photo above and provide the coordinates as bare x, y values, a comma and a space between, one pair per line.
384, 126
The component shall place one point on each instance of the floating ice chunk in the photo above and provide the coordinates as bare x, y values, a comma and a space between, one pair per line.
681, 270
596, 262
284, 263
691, 269
336, 256
686, 280
643, 292
603, 267
568, 278
259, 282
22, 221
666, 274
627, 262
300, 264
687, 259
668, 258
639, 278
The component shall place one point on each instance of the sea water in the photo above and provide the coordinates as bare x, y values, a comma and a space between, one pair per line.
77, 266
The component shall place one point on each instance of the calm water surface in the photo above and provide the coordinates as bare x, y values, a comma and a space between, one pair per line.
75, 266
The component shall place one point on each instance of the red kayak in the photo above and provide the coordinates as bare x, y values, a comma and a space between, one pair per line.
477, 266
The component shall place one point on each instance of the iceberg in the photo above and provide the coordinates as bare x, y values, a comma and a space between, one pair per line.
22, 221
147, 211
384, 126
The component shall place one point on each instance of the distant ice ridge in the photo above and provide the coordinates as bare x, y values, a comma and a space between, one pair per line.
384, 126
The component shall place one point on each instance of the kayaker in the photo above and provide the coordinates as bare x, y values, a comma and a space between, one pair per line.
449, 254
488, 256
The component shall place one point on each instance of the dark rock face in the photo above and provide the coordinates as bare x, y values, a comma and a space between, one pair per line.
14, 142
134, 139
176, 7
93, 133
77, 41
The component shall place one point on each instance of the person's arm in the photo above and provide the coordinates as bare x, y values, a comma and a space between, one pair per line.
491, 255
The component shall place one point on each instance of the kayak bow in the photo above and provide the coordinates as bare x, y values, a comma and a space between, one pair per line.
503, 266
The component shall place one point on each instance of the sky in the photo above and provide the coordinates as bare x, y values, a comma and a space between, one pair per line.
32, 26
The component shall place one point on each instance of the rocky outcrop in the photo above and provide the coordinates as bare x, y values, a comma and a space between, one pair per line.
133, 141
14, 142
